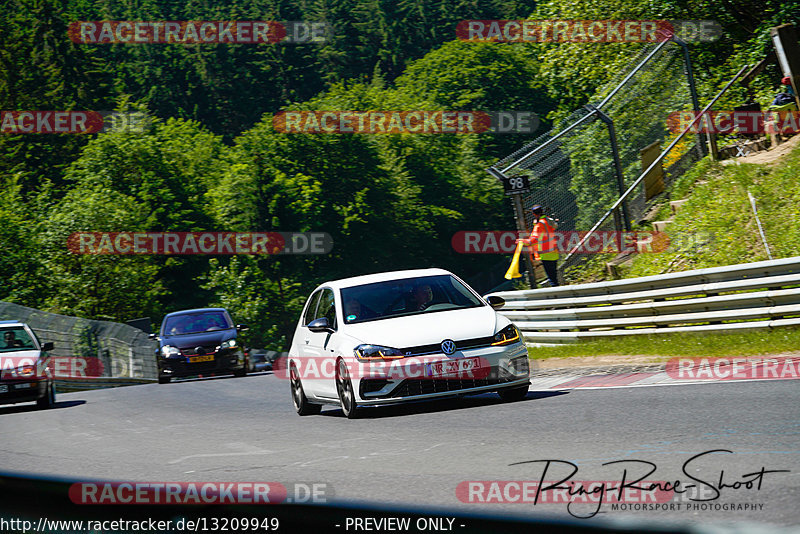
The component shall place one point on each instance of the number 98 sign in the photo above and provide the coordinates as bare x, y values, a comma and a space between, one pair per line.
516, 185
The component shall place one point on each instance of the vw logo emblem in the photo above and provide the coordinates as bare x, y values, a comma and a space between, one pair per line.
199, 350
448, 346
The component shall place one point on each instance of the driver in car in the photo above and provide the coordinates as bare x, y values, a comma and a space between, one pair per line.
214, 322
11, 340
423, 295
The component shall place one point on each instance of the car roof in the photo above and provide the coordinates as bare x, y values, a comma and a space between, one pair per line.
383, 277
11, 322
196, 310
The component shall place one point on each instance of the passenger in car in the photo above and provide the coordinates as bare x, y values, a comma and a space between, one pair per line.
180, 326
354, 310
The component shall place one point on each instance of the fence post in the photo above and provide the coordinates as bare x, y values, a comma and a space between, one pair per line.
702, 148
612, 134
519, 218
522, 228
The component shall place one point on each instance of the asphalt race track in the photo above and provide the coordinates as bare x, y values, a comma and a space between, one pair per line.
245, 429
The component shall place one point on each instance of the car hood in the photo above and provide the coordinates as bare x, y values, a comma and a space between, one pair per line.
427, 328
195, 340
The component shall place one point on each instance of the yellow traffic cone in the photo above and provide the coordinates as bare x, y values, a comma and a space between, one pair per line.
513, 270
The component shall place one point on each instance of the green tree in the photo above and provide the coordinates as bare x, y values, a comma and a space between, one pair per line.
125, 181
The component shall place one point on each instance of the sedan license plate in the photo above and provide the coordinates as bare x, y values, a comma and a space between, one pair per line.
204, 358
462, 366
4, 389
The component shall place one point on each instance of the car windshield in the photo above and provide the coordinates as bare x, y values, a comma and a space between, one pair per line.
408, 296
15, 339
195, 323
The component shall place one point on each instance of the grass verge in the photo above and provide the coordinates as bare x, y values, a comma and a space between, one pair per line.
701, 345
716, 226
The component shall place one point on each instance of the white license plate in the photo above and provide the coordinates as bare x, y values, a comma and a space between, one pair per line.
3, 388
462, 366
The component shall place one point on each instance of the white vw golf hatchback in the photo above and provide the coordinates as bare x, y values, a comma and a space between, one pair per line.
402, 336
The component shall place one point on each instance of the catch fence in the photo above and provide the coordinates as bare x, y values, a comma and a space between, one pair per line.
587, 160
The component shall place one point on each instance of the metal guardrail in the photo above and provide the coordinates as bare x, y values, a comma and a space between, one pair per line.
756, 295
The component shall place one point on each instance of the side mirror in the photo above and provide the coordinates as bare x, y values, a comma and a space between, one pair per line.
47, 346
320, 325
495, 302
242, 327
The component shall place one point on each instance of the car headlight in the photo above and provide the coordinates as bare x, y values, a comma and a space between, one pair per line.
229, 344
168, 351
506, 336
26, 371
376, 352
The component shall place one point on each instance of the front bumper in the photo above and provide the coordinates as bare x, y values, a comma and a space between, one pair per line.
224, 362
504, 367
14, 391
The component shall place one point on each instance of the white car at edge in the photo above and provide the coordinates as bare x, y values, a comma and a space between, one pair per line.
402, 336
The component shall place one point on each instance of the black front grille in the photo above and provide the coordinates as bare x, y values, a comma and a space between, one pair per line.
201, 366
418, 386
16, 393
191, 351
181, 367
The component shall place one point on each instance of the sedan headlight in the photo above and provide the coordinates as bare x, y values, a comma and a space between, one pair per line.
376, 352
506, 336
168, 351
229, 344
26, 371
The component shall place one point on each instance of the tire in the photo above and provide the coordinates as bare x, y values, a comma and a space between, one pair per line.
514, 394
344, 387
164, 379
49, 399
301, 404
240, 372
